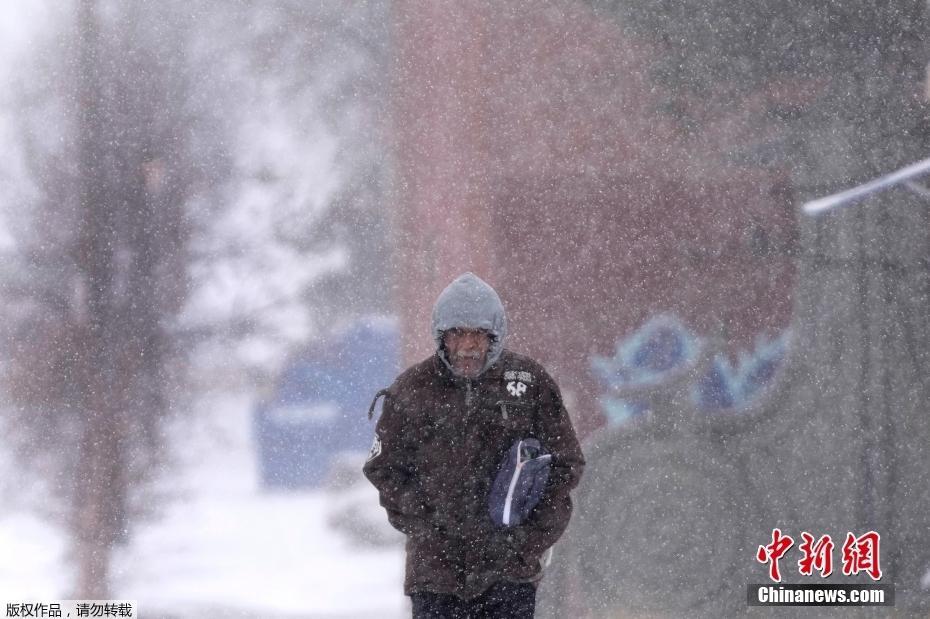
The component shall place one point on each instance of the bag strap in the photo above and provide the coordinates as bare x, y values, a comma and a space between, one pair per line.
371, 409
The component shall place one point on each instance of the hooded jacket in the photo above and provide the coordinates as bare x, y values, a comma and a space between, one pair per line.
469, 302
439, 442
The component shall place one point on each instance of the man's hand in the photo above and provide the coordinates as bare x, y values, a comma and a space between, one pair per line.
509, 542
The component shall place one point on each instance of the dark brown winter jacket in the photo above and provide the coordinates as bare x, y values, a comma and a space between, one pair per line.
438, 444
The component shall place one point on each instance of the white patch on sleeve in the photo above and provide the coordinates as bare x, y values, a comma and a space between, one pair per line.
375, 450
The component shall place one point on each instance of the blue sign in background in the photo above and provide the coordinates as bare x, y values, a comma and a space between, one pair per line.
319, 407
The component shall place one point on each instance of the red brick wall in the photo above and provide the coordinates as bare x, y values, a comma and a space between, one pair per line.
529, 150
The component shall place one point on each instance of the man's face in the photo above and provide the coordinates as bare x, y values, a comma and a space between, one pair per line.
467, 350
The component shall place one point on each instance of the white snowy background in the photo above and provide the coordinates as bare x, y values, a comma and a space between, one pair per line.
217, 544
220, 546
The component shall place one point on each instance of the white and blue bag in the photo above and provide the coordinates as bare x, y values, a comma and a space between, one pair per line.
520, 483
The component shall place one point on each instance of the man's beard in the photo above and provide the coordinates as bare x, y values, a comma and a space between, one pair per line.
467, 364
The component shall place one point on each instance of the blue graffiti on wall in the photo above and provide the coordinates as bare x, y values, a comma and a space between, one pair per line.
664, 346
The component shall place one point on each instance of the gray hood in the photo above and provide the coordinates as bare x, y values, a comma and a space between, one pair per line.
470, 303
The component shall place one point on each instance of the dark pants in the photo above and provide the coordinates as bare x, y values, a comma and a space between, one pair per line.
503, 600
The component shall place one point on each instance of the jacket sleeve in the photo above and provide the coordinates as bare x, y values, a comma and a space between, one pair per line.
550, 517
391, 468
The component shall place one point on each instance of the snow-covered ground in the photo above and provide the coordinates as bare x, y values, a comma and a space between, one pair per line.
221, 547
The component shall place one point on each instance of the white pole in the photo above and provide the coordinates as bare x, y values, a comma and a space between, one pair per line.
815, 207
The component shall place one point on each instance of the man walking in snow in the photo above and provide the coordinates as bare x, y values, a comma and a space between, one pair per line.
474, 457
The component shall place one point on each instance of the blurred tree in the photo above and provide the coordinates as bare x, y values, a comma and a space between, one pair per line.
193, 176
98, 278
825, 73
305, 228
713, 44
